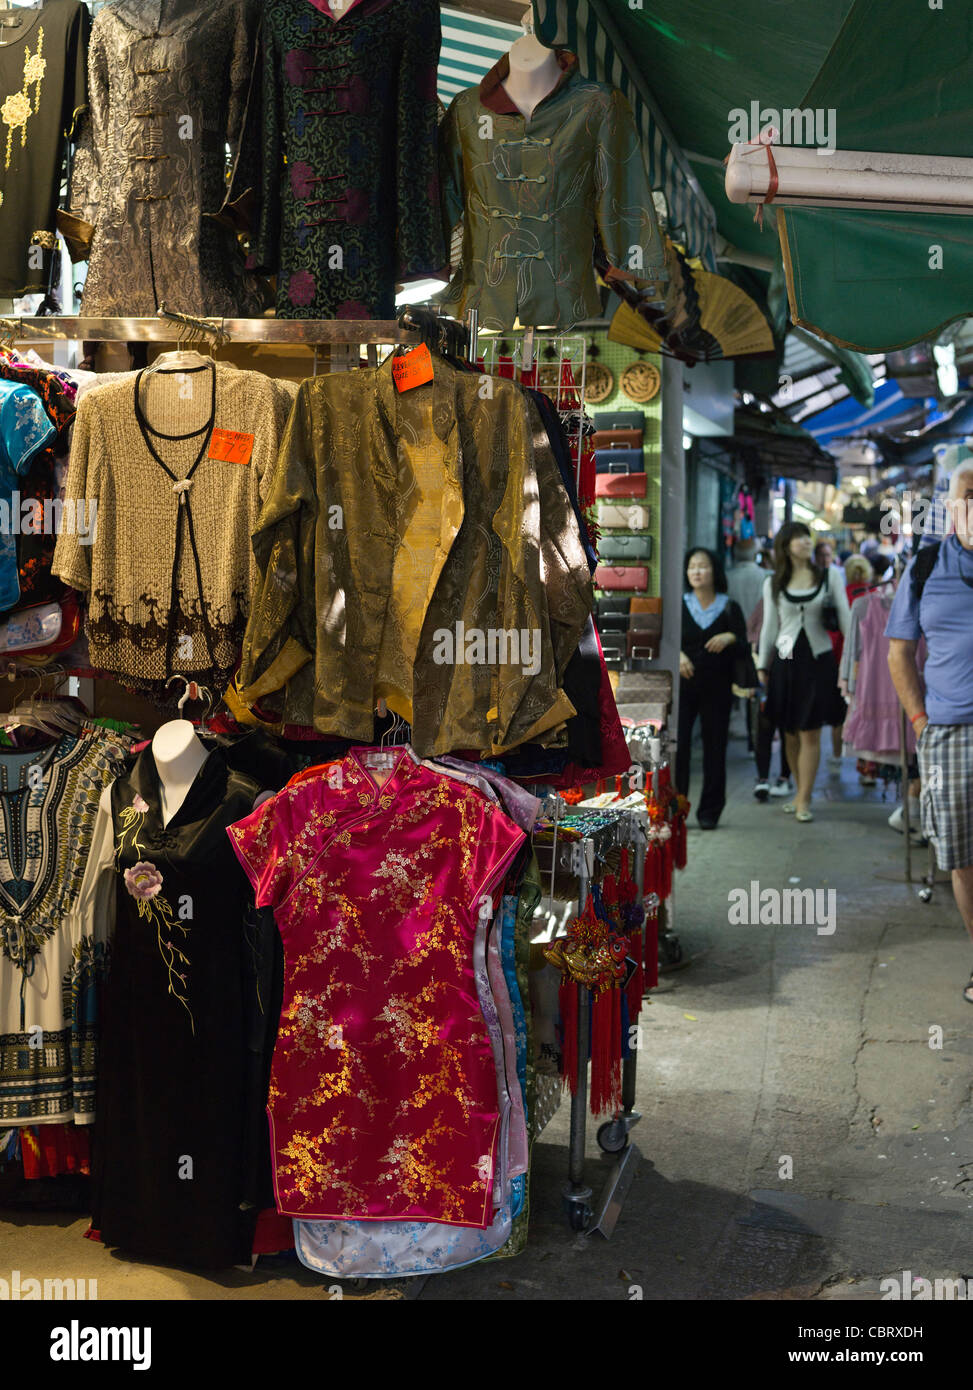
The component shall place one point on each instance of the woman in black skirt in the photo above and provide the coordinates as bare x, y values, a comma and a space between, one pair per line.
714, 636
795, 659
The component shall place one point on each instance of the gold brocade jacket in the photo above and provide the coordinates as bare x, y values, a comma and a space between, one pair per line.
416, 547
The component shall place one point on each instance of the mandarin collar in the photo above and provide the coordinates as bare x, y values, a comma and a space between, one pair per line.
444, 385
494, 97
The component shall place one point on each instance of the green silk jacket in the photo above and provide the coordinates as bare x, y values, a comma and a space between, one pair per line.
396, 528
533, 194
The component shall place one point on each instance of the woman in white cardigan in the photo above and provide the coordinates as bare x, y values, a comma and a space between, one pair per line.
795, 661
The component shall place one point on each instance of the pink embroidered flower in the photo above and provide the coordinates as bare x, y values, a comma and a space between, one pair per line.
301, 288
296, 65
355, 206
302, 179
353, 309
143, 880
356, 97
484, 1168
140, 804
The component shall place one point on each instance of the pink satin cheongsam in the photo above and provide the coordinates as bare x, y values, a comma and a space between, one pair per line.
383, 1093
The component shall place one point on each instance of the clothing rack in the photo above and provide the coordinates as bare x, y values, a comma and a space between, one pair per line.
577, 858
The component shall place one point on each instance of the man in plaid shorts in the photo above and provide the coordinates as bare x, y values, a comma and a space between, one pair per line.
935, 600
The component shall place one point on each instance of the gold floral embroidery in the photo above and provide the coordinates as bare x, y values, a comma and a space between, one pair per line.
416, 1175
17, 109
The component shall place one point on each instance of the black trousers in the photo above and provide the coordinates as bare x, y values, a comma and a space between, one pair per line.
712, 709
765, 740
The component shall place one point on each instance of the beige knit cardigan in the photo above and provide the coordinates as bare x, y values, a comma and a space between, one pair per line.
135, 631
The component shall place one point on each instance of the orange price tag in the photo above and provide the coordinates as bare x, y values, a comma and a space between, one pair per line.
415, 369
230, 446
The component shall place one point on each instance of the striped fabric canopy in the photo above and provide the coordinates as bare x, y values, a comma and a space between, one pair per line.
586, 28
471, 46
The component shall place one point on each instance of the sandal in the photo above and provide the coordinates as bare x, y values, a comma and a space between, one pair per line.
804, 816
788, 808
968, 991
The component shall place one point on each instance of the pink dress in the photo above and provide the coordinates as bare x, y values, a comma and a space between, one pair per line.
383, 1093
873, 726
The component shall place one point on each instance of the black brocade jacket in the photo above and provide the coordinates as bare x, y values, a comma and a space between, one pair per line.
349, 189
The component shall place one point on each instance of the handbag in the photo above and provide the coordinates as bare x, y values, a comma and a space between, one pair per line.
619, 461
613, 603
622, 516
622, 577
620, 484
829, 615
619, 420
617, 439
643, 646
622, 546
42, 629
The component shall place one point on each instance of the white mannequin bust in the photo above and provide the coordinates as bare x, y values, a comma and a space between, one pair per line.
179, 755
534, 70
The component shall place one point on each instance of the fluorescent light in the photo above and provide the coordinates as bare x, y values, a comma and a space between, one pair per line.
687, 441
419, 291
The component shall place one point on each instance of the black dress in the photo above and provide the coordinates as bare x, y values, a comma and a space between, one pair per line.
43, 65
175, 1172
708, 696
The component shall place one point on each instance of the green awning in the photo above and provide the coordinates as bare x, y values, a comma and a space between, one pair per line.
881, 280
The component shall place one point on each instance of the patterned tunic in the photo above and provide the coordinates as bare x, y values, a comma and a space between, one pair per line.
383, 1095
53, 933
350, 196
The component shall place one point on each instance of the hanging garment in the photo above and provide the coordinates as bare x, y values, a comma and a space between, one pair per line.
169, 578
534, 194
43, 60
395, 530
383, 1095
39, 484
53, 926
387, 1249
874, 723
24, 430
169, 82
169, 1171
350, 192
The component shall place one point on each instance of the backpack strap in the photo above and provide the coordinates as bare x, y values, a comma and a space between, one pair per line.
923, 566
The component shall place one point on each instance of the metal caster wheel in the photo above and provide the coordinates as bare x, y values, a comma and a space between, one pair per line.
579, 1217
612, 1136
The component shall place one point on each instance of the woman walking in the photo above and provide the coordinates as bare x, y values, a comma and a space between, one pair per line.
714, 638
802, 605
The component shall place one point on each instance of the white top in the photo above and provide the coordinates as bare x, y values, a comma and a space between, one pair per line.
797, 608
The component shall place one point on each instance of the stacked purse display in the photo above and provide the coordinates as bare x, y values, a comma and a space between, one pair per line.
622, 513
630, 626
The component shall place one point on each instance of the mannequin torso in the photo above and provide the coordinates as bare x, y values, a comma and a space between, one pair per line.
179, 755
534, 73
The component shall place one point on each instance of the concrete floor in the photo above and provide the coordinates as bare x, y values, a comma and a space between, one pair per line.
775, 1043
